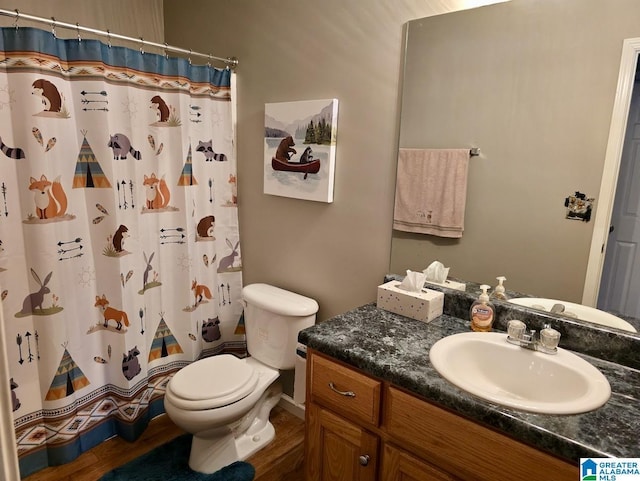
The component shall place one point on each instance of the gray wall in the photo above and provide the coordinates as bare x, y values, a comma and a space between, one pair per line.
139, 18
532, 83
303, 50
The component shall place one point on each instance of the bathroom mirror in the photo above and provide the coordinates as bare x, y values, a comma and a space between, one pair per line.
533, 85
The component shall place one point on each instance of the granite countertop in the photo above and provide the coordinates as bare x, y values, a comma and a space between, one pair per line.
396, 349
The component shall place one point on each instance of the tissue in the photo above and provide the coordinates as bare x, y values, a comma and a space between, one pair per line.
437, 274
414, 282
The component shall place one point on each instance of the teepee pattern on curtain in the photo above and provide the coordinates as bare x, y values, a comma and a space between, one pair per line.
68, 379
119, 246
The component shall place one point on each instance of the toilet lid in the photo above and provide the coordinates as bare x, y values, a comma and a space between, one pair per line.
218, 380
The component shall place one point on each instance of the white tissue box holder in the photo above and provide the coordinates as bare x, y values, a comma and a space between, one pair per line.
459, 286
423, 306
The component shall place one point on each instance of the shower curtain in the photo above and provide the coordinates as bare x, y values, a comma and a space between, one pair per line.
120, 253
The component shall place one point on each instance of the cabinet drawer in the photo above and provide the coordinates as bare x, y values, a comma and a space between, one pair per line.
464, 448
344, 390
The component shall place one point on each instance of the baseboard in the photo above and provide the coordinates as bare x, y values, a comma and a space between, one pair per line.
288, 404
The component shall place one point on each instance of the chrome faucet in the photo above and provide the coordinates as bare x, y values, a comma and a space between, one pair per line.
557, 308
545, 341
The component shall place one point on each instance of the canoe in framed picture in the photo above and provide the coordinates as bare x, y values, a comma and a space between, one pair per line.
300, 149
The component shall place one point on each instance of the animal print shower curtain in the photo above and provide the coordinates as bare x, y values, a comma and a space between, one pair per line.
120, 253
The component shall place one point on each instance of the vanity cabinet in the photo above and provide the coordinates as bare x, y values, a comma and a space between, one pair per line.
362, 429
337, 449
341, 447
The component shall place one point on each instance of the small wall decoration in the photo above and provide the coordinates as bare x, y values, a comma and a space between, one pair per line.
300, 149
579, 207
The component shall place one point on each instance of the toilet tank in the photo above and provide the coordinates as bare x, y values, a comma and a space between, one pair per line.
272, 318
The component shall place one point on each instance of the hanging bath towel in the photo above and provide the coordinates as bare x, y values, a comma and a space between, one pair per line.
431, 191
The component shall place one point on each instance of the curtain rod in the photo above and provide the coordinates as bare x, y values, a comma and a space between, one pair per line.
231, 62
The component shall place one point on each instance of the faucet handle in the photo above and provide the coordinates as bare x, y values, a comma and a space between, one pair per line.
549, 338
516, 329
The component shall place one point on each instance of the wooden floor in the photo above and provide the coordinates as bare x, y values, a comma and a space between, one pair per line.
282, 460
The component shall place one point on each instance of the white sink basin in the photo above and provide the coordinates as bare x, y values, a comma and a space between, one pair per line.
486, 365
585, 313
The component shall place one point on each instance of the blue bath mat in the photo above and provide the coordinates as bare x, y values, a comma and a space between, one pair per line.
170, 462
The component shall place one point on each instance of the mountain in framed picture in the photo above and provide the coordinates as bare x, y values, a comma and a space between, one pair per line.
300, 149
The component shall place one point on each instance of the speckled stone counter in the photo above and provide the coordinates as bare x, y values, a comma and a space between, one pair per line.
396, 349
587, 338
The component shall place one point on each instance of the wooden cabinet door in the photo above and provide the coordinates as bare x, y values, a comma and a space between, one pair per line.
400, 466
463, 447
338, 450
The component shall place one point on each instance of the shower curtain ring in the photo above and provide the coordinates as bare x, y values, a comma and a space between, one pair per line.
108, 38
166, 51
15, 21
142, 45
190, 51
209, 62
53, 27
78, 31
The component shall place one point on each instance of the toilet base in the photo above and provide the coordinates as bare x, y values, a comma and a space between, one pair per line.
248, 445
240, 441
207, 457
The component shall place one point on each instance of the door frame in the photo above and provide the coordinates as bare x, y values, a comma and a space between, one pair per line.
611, 169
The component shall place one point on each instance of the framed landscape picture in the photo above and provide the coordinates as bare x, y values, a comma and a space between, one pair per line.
300, 149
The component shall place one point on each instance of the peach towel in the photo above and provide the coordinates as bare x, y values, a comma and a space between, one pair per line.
431, 191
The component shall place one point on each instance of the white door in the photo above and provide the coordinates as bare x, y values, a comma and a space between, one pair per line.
620, 282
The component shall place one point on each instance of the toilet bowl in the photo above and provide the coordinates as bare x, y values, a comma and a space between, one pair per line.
221, 424
225, 401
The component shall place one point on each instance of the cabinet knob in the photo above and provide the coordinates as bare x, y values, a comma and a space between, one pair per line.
364, 460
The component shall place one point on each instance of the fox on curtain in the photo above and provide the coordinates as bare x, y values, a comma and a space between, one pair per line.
120, 255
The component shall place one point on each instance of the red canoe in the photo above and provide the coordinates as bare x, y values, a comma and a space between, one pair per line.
308, 168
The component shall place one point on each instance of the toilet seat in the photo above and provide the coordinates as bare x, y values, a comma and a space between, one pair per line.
212, 382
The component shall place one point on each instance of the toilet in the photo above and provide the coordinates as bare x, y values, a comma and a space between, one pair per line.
225, 401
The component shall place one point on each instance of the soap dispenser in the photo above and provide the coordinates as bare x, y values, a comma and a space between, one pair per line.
482, 312
498, 292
